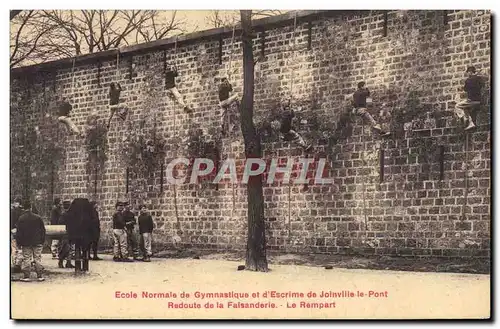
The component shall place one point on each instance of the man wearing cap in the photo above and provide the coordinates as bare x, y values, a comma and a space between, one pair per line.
473, 87
129, 227
120, 252
30, 236
16, 256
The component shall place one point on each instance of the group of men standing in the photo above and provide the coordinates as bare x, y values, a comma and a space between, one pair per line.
124, 237
28, 236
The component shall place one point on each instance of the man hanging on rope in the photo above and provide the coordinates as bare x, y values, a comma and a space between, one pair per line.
473, 87
170, 74
114, 98
359, 101
225, 89
64, 110
284, 122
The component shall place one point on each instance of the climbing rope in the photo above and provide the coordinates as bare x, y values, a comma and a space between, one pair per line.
363, 135
117, 74
466, 179
293, 54
363, 176
176, 209
292, 78
471, 31
66, 174
289, 224
73, 77
228, 70
175, 51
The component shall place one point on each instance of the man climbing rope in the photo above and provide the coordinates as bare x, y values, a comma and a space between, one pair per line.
170, 74
284, 123
64, 110
359, 101
225, 89
473, 87
114, 99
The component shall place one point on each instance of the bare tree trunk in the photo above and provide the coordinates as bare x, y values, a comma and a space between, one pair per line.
256, 241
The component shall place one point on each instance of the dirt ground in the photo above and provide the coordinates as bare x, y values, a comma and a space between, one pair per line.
451, 265
107, 291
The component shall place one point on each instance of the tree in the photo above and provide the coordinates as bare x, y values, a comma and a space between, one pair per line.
220, 18
39, 36
256, 259
29, 28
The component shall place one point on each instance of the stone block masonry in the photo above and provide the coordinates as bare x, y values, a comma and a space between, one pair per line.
433, 198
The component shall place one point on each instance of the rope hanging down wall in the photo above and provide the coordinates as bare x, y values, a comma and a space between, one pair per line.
176, 208
363, 137
466, 146
289, 224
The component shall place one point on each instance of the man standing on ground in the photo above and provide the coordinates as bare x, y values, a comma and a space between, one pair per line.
96, 229
120, 249
30, 236
146, 230
129, 226
66, 251
16, 255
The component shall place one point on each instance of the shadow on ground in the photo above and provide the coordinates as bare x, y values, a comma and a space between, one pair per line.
413, 264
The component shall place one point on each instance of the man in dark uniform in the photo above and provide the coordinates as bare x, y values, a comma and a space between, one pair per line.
359, 101
55, 214
473, 87
130, 222
114, 100
16, 255
284, 122
96, 230
30, 236
170, 75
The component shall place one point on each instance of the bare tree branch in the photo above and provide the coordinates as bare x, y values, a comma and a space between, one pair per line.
66, 33
220, 18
